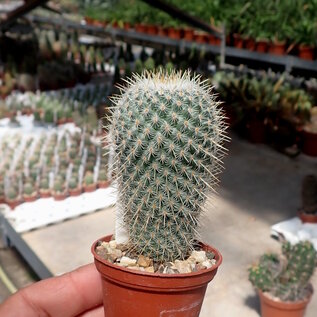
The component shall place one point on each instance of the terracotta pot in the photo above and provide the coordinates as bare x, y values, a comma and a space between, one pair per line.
188, 34
59, 196
307, 218
249, 44
201, 38
45, 193
277, 48
151, 29
309, 143
103, 184
261, 46
89, 20
75, 192
256, 131
30, 199
126, 25
214, 40
161, 31
90, 188
237, 40
306, 52
174, 33
152, 294
140, 28
13, 203
272, 308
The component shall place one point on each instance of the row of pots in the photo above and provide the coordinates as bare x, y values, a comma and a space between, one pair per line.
47, 193
236, 40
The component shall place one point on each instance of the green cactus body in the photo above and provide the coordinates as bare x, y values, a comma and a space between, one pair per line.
28, 189
167, 133
286, 277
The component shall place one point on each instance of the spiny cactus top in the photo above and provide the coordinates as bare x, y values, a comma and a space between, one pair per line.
166, 134
286, 277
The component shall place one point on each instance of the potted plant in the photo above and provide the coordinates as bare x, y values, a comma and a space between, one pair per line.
29, 193
283, 281
74, 188
12, 197
308, 212
167, 151
59, 190
89, 183
45, 191
309, 134
103, 181
2, 196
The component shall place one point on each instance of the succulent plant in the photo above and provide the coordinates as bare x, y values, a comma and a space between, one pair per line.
73, 183
166, 134
309, 194
59, 186
44, 184
102, 176
28, 189
12, 193
89, 178
286, 277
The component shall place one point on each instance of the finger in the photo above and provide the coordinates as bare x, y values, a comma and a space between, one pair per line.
97, 312
68, 295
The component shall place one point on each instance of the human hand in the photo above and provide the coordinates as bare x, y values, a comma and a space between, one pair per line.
77, 293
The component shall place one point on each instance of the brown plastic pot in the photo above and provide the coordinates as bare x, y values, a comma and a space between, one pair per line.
59, 196
30, 199
277, 48
103, 184
188, 34
237, 40
261, 46
45, 193
131, 293
309, 143
90, 188
13, 203
75, 192
161, 31
201, 37
307, 218
306, 52
140, 28
272, 308
151, 29
249, 44
174, 33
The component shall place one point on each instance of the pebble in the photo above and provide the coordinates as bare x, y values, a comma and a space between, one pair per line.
121, 256
198, 256
126, 261
144, 261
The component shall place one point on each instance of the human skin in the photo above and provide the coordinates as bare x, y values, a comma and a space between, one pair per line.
77, 293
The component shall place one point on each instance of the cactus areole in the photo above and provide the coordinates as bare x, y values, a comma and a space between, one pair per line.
166, 138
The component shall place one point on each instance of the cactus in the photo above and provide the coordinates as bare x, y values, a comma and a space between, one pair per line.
12, 194
286, 277
44, 184
59, 186
73, 183
167, 133
309, 194
28, 189
89, 178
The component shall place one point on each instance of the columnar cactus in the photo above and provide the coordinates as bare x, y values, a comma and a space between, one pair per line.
166, 134
286, 277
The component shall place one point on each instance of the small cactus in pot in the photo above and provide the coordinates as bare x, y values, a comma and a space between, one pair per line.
165, 146
73, 187
103, 181
59, 189
89, 183
45, 191
285, 279
12, 197
29, 192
